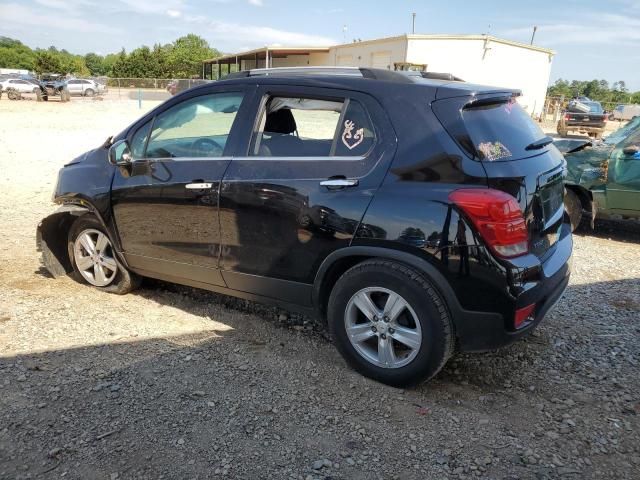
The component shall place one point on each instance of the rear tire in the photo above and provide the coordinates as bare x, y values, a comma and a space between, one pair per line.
561, 131
417, 315
573, 207
93, 258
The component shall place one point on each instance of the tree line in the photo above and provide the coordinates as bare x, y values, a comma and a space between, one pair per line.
179, 59
598, 90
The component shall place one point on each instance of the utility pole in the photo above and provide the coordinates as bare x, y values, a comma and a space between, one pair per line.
533, 35
344, 33
413, 23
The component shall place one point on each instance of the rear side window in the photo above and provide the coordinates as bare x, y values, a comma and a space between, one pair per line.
310, 127
490, 130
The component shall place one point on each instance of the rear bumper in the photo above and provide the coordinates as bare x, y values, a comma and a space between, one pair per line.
481, 331
586, 128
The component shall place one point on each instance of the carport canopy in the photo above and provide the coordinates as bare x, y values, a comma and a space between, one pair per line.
214, 68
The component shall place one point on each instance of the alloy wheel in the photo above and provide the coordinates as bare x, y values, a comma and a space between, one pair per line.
382, 327
93, 254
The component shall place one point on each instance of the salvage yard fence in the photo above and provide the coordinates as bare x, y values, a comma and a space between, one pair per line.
157, 89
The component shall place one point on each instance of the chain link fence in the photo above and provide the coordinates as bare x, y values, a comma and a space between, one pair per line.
143, 89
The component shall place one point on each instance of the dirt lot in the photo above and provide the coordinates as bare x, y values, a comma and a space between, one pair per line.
176, 383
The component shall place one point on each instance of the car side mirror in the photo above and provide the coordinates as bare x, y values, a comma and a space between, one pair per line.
120, 154
631, 151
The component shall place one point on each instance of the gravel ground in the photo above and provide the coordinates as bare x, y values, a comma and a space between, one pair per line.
176, 383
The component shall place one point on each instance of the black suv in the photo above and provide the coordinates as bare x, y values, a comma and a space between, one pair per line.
417, 216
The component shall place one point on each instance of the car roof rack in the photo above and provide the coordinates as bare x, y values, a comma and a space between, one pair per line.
433, 75
372, 73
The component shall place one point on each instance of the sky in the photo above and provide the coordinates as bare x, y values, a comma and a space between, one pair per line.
592, 38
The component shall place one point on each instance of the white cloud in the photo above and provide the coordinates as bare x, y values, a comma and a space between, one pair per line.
586, 29
69, 5
257, 36
174, 13
256, 3
17, 15
265, 35
151, 6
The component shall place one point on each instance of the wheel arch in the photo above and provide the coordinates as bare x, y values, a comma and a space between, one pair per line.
339, 261
585, 196
52, 235
586, 200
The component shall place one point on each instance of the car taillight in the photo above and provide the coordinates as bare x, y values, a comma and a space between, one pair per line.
567, 117
498, 218
524, 315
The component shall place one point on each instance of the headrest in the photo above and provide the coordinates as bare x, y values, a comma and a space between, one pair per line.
280, 121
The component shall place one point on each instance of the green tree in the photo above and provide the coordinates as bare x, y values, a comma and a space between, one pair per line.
14, 54
95, 64
186, 55
47, 62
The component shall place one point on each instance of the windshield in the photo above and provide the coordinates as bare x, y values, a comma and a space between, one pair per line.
621, 133
501, 130
594, 107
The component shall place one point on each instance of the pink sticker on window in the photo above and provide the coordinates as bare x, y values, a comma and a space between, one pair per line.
352, 140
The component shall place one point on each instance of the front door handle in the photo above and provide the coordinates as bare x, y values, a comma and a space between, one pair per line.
198, 186
339, 182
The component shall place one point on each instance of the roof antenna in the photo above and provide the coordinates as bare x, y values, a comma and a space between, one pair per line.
533, 35
413, 23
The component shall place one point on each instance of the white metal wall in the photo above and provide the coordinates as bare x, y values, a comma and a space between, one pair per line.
488, 63
476, 60
363, 54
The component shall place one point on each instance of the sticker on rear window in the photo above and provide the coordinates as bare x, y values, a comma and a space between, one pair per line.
350, 140
509, 106
493, 151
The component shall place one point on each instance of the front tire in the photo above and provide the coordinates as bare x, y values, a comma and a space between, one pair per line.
561, 131
89, 92
390, 323
94, 260
573, 207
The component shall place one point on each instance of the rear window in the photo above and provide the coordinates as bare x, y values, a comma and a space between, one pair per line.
500, 130
595, 107
584, 107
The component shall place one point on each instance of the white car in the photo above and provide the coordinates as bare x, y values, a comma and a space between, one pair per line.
84, 87
19, 85
625, 112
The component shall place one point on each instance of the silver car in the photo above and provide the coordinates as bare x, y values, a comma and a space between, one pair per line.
19, 85
84, 87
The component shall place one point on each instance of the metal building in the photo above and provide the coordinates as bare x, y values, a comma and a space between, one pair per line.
483, 59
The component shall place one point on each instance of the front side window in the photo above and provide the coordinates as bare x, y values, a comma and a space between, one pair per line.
309, 127
139, 140
196, 128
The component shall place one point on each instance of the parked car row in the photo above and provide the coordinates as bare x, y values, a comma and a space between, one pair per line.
54, 84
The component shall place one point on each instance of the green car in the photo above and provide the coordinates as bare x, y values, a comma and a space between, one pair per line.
603, 178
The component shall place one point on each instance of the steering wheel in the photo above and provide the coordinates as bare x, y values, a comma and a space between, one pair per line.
205, 147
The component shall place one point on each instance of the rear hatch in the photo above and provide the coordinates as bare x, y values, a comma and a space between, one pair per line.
587, 114
517, 156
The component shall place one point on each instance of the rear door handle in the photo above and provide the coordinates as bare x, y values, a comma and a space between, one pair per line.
339, 182
198, 186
